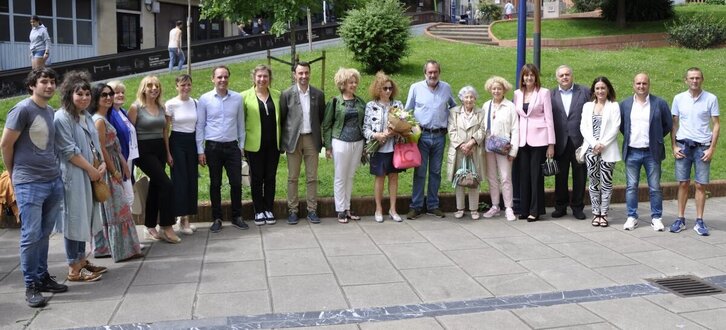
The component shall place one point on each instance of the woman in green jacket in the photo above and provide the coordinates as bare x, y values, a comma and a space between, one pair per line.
343, 138
262, 141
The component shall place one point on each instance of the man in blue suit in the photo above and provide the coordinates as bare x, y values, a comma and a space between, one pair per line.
645, 121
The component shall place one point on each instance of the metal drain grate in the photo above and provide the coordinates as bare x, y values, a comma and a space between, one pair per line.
686, 286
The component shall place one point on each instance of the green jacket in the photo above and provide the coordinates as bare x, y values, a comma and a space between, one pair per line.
335, 117
253, 125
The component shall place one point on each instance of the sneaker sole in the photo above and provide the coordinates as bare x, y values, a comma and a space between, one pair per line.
631, 228
678, 230
699, 234
39, 304
657, 229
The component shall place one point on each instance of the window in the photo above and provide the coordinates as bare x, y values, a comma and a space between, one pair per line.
44, 7
83, 9
65, 8
84, 29
65, 31
129, 4
4, 6
21, 7
4, 27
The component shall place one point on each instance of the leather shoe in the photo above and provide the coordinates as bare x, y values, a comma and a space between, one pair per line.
292, 219
239, 223
578, 214
561, 213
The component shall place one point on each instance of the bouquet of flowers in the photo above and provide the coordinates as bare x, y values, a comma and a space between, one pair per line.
401, 121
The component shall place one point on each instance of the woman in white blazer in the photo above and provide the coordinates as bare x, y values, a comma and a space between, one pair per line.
599, 126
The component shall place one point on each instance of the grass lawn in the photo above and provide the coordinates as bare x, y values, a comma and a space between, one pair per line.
592, 27
472, 65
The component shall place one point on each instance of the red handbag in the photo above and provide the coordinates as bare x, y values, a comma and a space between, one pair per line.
406, 155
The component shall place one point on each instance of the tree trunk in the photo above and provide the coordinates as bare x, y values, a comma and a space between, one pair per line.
620, 18
292, 45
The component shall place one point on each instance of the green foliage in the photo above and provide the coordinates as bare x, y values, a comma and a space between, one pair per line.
489, 12
697, 32
716, 2
377, 34
582, 6
639, 11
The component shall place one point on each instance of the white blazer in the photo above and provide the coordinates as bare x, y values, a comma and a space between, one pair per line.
608, 130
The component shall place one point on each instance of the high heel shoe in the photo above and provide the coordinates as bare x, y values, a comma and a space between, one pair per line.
169, 239
394, 216
378, 217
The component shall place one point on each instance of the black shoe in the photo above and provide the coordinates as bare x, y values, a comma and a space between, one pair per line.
522, 216
313, 217
216, 226
413, 214
436, 212
562, 213
579, 215
239, 223
532, 218
292, 218
48, 284
33, 296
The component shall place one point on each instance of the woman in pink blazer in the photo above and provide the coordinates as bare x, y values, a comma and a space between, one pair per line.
536, 140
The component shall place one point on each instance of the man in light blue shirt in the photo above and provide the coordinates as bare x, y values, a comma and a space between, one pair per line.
221, 124
694, 136
430, 101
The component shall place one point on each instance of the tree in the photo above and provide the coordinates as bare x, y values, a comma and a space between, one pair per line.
622, 11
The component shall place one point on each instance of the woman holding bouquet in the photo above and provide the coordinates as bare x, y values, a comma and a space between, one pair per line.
343, 138
381, 138
466, 135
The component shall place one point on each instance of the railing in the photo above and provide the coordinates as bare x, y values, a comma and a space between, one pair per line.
695, 1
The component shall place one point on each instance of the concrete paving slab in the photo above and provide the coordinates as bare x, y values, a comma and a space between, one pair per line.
566, 274
169, 270
592, 254
637, 313
296, 262
522, 248
75, 314
153, 303
349, 244
364, 270
579, 226
475, 321
306, 293
453, 239
287, 237
556, 316
236, 249
15, 312
711, 319
687, 246
619, 241
444, 284
424, 323
514, 284
594, 326
679, 305
112, 286
233, 276
428, 223
191, 245
232, 303
485, 262
415, 255
228, 231
492, 228
386, 294
14, 281
332, 227
670, 263
332, 327
549, 232
392, 234
717, 262
631, 274
9, 259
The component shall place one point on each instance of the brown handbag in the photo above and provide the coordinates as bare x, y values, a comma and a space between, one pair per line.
101, 191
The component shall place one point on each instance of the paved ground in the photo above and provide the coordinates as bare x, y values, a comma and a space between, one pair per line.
419, 274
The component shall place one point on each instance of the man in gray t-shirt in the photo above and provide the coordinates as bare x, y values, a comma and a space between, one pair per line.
28, 151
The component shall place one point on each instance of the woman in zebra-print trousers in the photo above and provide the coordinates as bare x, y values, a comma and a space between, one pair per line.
599, 126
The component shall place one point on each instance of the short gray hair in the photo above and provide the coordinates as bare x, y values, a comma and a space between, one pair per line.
466, 90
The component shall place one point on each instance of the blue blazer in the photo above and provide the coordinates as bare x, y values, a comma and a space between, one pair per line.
660, 125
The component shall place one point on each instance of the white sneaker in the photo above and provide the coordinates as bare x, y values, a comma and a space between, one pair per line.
510, 214
493, 212
474, 215
657, 224
378, 217
459, 214
631, 223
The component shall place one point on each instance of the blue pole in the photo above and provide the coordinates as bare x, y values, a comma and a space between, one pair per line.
521, 37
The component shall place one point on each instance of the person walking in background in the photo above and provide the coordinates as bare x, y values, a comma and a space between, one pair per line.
221, 124
645, 121
181, 113
343, 138
147, 115
33, 167
536, 140
696, 127
302, 108
567, 101
77, 145
39, 43
375, 127
430, 101
176, 53
262, 114
508, 10
599, 126
466, 136
500, 119
118, 238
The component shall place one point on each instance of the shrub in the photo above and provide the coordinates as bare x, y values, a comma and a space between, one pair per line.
639, 11
586, 5
697, 32
489, 12
716, 2
377, 34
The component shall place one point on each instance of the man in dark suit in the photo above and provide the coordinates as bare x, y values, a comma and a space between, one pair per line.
301, 109
567, 101
645, 121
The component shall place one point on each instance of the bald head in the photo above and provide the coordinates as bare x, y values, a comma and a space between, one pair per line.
641, 85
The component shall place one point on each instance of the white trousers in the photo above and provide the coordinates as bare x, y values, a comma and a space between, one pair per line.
346, 159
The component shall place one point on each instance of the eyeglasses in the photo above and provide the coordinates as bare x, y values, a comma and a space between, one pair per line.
388, 89
105, 95
151, 85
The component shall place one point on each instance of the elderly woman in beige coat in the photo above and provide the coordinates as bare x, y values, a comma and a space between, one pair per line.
466, 138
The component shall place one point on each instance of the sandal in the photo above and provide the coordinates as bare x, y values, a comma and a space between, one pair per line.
596, 221
84, 275
604, 221
351, 216
342, 217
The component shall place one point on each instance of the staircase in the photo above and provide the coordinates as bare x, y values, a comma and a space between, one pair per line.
473, 34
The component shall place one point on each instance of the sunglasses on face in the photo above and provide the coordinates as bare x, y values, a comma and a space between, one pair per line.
388, 89
107, 94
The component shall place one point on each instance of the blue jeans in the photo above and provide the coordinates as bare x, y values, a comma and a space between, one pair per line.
638, 158
176, 57
75, 251
693, 159
431, 147
40, 209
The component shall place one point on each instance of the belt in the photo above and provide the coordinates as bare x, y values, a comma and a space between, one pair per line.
692, 144
222, 143
437, 130
641, 149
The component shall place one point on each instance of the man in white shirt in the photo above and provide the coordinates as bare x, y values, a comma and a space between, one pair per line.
176, 53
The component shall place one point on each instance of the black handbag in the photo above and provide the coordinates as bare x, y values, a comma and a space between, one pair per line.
550, 167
